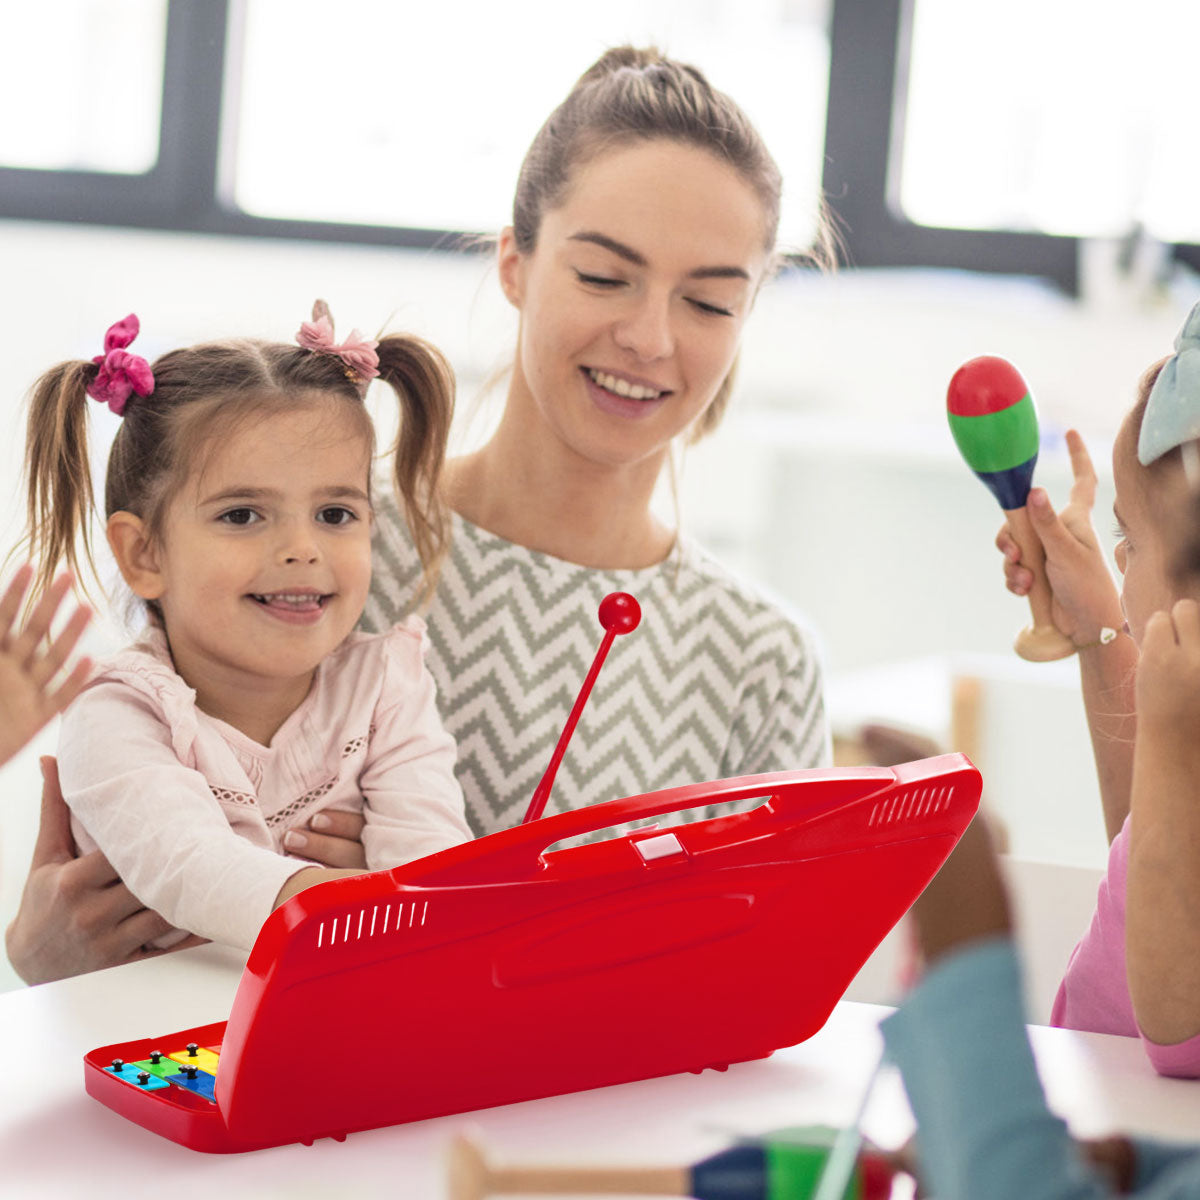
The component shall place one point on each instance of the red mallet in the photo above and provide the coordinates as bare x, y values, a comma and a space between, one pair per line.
994, 421
619, 614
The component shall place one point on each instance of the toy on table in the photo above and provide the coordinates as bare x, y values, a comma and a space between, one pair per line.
503, 969
994, 421
785, 1165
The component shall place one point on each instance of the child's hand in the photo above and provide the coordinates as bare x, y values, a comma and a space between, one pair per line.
966, 900
1168, 674
1113, 1157
1085, 598
30, 660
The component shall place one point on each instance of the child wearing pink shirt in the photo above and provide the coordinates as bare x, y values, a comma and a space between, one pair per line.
238, 509
1136, 971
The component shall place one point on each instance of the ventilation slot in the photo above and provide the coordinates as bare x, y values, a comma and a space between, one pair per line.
912, 805
376, 921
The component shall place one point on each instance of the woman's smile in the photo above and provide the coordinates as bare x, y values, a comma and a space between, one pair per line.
618, 397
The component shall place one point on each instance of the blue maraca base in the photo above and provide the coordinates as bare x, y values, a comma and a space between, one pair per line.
1010, 487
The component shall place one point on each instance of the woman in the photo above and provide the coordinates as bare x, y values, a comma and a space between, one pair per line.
644, 224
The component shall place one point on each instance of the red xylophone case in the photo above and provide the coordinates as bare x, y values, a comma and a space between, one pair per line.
505, 970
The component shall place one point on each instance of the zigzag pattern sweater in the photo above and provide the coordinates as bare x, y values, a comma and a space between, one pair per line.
715, 682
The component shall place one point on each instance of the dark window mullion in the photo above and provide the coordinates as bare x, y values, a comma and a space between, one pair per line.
869, 51
193, 70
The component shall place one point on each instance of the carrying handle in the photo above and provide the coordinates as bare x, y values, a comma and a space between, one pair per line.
516, 853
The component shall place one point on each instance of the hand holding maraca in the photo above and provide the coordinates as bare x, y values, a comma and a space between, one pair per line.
1084, 600
994, 421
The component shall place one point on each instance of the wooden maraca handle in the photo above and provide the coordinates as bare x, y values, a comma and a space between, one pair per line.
1042, 641
472, 1178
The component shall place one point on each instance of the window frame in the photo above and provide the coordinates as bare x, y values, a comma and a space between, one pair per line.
870, 43
869, 57
181, 192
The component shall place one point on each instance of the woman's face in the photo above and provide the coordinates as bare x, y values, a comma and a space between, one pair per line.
633, 300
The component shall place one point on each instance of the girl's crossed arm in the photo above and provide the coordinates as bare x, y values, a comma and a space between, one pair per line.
159, 823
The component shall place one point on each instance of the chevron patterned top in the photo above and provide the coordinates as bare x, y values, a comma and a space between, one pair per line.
715, 682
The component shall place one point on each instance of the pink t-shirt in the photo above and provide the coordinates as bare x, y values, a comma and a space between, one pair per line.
192, 813
1094, 993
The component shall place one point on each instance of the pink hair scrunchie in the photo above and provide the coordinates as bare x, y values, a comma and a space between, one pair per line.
121, 373
356, 352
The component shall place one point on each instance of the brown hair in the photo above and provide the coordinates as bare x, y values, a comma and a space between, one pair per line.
631, 95
205, 392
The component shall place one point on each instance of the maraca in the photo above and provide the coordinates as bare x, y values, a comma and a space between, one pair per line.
786, 1165
994, 421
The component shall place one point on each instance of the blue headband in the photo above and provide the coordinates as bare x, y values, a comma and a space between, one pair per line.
1172, 414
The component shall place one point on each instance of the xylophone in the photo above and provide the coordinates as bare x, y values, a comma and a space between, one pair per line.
506, 969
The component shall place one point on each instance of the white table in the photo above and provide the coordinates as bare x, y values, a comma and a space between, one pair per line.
55, 1141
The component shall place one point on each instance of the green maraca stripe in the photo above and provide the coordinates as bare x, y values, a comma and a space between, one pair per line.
998, 441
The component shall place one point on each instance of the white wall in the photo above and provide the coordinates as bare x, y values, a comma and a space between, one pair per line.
834, 480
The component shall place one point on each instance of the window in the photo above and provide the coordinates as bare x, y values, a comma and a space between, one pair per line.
418, 115
87, 76
982, 134
386, 121
1039, 115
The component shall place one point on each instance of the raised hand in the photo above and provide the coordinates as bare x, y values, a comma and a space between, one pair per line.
1085, 598
31, 691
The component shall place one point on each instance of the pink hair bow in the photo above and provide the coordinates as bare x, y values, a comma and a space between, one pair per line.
356, 352
121, 373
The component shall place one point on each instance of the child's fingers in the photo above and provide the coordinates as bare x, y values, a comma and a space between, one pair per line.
1083, 490
1158, 640
51, 662
1017, 579
1057, 540
1185, 617
25, 644
71, 686
10, 602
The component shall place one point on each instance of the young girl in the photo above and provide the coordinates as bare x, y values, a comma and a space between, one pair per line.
239, 511
962, 1024
1137, 969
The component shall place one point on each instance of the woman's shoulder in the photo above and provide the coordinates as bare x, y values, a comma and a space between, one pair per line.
476, 560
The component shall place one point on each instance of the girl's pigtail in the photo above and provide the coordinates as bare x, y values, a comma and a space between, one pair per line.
424, 384
59, 495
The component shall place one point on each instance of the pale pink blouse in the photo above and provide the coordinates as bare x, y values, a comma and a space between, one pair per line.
192, 813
